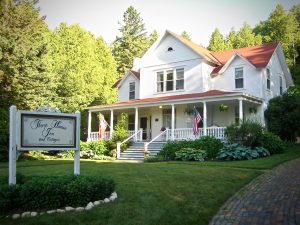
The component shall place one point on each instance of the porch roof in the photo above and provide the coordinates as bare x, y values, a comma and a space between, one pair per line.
209, 96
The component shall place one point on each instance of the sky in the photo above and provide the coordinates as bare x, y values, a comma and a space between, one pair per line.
198, 17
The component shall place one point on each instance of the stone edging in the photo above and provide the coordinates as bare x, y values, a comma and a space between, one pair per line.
89, 206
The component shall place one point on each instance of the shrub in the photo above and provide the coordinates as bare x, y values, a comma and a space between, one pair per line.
156, 158
191, 154
42, 193
272, 142
239, 152
169, 149
121, 132
98, 147
249, 133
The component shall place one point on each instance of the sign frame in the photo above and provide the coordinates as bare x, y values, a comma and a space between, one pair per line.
15, 138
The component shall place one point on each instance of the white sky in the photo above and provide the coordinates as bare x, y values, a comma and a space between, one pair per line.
198, 17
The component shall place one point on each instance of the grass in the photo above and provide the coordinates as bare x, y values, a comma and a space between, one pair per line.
154, 193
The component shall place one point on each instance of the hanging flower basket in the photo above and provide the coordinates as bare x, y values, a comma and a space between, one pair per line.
189, 111
223, 108
252, 110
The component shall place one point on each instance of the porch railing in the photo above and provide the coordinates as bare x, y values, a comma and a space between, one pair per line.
94, 136
187, 133
158, 136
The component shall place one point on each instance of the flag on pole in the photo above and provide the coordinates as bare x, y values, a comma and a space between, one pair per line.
197, 119
102, 125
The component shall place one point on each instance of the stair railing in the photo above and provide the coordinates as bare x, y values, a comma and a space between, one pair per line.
148, 143
135, 136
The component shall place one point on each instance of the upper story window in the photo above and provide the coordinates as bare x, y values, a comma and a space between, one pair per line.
170, 49
160, 82
268, 79
170, 80
239, 77
280, 85
131, 90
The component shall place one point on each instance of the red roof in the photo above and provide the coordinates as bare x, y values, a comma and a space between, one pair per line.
259, 55
174, 97
135, 73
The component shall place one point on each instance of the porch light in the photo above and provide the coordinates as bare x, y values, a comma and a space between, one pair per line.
160, 107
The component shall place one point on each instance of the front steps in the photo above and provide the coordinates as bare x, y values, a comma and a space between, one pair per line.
136, 150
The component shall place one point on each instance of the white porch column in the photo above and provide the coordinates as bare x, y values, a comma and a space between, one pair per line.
173, 121
111, 123
89, 126
136, 121
240, 111
262, 114
204, 119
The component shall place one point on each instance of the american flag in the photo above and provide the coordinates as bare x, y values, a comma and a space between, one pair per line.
197, 120
102, 125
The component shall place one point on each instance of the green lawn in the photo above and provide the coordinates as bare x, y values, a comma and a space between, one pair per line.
154, 193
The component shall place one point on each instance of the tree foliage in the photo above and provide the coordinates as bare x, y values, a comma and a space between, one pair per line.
185, 35
245, 37
216, 42
283, 114
153, 37
83, 65
133, 41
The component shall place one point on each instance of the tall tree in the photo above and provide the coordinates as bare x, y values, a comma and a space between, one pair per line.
84, 67
24, 79
133, 42
153, 37
216, 42
231, 39
246, 37
185, 35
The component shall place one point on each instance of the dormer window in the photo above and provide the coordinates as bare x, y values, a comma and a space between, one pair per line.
239, 77
170, 49
131, 90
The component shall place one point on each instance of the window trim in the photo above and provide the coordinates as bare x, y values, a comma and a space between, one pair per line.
235, 79
268, 79
280, 85
131, 91
165, 80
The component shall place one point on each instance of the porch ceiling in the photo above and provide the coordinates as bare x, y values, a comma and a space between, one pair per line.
209, 96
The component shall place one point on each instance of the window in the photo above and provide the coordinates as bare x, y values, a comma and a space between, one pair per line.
170, 49
170, 81
167, 118
179, 79
160, 82
131, 118
239, 77
131, 90
268, 79
280, 85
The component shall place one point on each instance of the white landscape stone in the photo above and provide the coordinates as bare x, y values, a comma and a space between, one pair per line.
42, 213
89, 206
106, 200
16, 216
25, 214
51, 211
33, 214
69, 208
112, 198
96, 203
79, 209
60, 210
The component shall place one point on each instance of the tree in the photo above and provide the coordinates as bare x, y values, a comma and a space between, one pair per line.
246, 37
283, 114
153, 38
133, 42
24, 79
216, 42
231, 39
84, 67
185, 35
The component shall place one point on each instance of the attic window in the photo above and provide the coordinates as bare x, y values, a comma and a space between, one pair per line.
170, 49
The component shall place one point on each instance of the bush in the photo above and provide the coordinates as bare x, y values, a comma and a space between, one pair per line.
98, 147
42, 193
156, 158
210, 144
239, 152
188, 154
121, 132
248, 134
272, 142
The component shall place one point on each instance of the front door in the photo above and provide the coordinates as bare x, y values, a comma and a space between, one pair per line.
143, 125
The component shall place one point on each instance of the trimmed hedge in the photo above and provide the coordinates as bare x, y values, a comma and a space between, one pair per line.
42, 193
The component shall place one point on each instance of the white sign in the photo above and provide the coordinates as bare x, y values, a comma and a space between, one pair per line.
47, 131
32, 130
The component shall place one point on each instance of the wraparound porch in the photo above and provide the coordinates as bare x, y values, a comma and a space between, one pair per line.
175, 116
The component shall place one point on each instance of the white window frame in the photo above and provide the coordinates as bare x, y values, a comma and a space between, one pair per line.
165, 80
236, 78
131, 91
268, 79
280, 85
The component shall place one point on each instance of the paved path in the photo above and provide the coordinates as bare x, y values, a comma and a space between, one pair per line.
273, 199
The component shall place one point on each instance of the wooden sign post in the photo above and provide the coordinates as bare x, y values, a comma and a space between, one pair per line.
34, 130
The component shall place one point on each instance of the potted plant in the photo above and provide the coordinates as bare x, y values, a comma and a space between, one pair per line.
223, 108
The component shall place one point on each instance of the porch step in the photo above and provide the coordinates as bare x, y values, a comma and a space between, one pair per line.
136, 150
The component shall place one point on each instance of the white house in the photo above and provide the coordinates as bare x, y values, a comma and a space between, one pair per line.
175, 75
